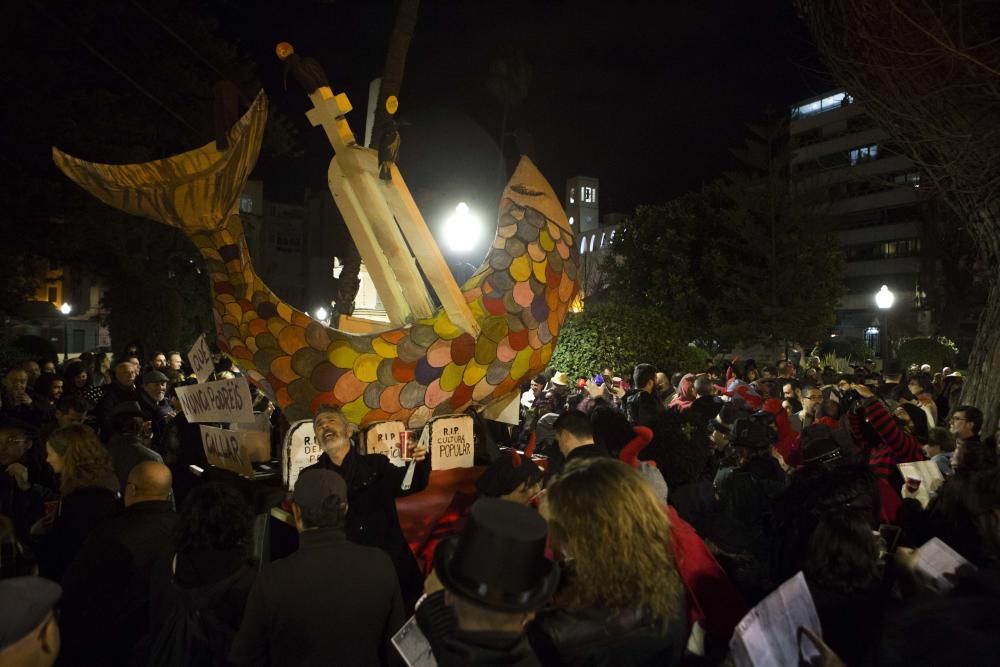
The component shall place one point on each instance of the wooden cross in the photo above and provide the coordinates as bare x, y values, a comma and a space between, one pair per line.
379, 214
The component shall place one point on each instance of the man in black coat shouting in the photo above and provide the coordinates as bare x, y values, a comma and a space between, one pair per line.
373, 484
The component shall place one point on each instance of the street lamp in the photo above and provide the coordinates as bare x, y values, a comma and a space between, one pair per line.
65, 309
462, 229
884, 299
321, 314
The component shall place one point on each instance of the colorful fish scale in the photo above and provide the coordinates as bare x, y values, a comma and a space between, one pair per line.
520, 295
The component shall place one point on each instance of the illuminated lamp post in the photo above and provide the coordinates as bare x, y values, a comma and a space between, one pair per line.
884, 299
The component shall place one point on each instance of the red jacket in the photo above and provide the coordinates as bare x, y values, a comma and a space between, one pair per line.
788, 440
712, 600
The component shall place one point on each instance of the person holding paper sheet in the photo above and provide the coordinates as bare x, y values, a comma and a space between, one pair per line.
373, 484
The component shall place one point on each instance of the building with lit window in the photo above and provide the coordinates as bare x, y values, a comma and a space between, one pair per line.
848, 170
594, 232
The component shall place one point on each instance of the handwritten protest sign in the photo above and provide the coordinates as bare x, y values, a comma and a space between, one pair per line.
220, 401
227, 450
201, 359
451, 439
383, 438
301, 450
256, 437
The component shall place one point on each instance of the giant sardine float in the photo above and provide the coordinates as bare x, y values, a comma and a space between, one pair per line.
519, 296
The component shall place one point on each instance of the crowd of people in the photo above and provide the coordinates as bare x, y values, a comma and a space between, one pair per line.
631, 521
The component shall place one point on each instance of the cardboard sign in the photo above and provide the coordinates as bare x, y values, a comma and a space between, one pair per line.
257, 437
451, 442
227, 450
226, 401
200, 358
383, 438
300, 451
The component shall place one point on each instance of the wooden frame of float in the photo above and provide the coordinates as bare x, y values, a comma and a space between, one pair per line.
386, 224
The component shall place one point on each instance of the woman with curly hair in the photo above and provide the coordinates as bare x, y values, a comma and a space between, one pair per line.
208, 579
621, 601
89, 491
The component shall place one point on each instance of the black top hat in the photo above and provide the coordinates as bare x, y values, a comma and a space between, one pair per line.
499, 561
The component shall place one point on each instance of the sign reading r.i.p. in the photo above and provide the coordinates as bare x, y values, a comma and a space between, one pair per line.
383, 438
301, 451
452, 442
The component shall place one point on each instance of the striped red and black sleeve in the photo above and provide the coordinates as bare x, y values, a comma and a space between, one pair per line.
880, 459
903, 447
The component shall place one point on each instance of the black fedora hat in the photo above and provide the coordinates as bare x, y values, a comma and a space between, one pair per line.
498, 561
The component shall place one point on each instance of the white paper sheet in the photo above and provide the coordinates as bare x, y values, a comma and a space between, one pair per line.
768, 635
413, 646
936, 560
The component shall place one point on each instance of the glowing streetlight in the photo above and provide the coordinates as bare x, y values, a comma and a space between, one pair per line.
884, 299
321, 314
66, 309
462, 229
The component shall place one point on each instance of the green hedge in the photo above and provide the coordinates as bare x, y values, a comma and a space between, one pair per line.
621, 336
938, 352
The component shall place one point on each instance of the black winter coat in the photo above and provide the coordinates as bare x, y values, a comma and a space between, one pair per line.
603, 637
330, 603
197, 601
453, 647
642, 408
113, 394
79, 512
373, 484
105, 604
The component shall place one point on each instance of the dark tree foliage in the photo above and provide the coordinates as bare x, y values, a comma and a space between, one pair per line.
741, 261
622, 336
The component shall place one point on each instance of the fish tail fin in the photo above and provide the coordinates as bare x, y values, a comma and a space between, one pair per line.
195, 191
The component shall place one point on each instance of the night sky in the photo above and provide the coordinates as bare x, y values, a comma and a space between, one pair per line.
647, 96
